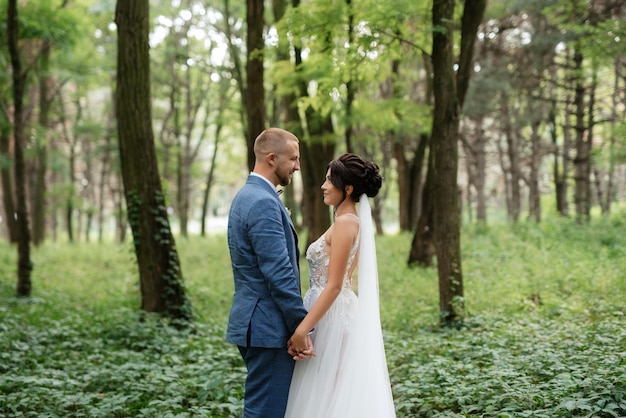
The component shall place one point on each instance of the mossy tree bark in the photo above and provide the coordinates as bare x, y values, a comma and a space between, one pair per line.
161, 279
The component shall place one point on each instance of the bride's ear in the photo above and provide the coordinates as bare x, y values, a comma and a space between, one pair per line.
349, 190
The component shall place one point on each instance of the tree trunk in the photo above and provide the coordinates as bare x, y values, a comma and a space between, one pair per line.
449, 92
423, 243
6, 179
512, 151
506, 174
350, 83
480, 174
316, 152
404, 197
24, 263
69, 202
610, 187
39, 193
317, 149
591, 127
582, 163
407, 211
105, 171
255, 91
237, 72
161, 279
287, 109
445, 165
476, 168
534, 197
72, 143
121, 226
210, 176
560, 164
421, 206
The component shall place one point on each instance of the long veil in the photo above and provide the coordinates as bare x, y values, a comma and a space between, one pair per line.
365, 388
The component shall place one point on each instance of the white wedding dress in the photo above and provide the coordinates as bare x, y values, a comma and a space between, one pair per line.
348, 377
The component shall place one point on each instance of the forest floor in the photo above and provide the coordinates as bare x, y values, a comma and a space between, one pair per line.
544, 334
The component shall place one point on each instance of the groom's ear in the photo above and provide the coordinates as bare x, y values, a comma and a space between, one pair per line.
270, 159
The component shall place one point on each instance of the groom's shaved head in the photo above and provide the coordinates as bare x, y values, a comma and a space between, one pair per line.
272, 140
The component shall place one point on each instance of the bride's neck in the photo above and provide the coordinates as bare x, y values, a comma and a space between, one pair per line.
347, 206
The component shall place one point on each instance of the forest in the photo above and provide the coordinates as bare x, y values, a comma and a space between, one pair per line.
126, 128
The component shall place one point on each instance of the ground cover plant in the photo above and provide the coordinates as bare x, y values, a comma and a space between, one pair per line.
544, 335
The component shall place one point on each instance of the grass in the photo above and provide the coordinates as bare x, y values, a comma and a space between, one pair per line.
544, 335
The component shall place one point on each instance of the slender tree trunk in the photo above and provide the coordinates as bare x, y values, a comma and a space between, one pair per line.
515, 198
403, 165
255, 91
481, 168
69, 202
610, 187
505, 174
534, 198
558, 169
71, 173
350, 84
316, 152
6, 179
209, 180
238, 74
24, 263
105, 171
288, 108
591, 128
582, 163
404, 197
421, 208
565, 158
423, 243
161, 279
39, 192
121, 225
477, 164
410, 173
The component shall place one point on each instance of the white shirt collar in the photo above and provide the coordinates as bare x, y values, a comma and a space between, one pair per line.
264, 178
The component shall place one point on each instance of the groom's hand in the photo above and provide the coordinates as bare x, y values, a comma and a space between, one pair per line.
300, 348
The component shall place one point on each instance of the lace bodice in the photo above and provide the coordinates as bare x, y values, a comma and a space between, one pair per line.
319, 259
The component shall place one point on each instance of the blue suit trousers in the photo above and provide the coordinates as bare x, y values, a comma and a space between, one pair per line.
268, 381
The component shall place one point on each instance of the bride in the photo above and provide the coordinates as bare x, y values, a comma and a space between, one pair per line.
348, 376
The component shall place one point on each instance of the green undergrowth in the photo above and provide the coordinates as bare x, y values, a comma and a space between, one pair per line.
544, 335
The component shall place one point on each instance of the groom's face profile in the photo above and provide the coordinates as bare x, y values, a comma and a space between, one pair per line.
287, 162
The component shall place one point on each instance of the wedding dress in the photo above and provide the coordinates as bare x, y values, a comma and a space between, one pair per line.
348, 377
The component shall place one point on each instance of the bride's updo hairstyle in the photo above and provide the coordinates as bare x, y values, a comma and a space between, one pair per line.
351, 170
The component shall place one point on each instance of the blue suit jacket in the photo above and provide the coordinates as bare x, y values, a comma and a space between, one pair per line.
267, 305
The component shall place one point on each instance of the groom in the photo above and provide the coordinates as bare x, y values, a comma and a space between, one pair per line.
267, 305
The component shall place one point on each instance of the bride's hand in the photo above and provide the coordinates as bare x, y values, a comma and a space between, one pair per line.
300, 348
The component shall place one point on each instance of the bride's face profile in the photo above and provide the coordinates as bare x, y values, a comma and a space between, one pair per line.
332, 194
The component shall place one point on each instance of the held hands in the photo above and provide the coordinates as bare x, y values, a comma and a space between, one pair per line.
300, 347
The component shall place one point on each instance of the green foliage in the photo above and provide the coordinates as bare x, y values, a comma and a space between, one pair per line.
46, 20
544, 335
525, 366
